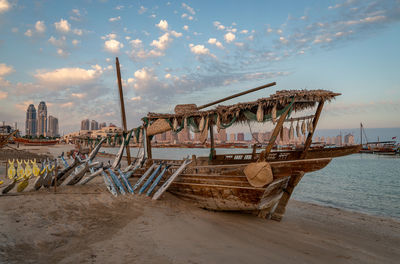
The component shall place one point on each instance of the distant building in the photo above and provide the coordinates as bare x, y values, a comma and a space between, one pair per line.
112, 125
85, 124
53, 127
42, 119
171, 136
349, 139
31, 121
161, 137
232, 137
222, 135
240, 136
338, 140
101, 125
94, 125
184, 135
196, 137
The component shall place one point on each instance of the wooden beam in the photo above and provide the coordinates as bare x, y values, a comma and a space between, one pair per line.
121, 98
281, 207
310, 134
274, 135
212, 144
237, 95
148, 146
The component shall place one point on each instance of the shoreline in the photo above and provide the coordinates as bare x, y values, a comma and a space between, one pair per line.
88, 224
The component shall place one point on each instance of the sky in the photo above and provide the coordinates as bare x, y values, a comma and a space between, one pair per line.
177, 52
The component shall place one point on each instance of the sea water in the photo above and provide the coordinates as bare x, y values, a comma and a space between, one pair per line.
364, 183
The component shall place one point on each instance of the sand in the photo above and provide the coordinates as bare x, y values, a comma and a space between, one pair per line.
86, 224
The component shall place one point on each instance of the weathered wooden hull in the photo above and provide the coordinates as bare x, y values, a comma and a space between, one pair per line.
225, 187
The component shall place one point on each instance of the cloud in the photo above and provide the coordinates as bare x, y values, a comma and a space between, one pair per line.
214, 41
68, 76
176, 34
184, 15
63, 26
185, 27
61, 42
78, 95
75, 42
113, 19
113, 45
40, 27
67, 105
162, 42
229, 37
4, 6
200, 50
142, 10
136, 98
78, 32
5, 69
28, 33
188, 8
119, 7
244, 31
163, 25
61, 52
218, 25
3, 95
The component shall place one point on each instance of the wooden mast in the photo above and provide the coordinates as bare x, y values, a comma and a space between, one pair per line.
311, 133
236, 95
121, 98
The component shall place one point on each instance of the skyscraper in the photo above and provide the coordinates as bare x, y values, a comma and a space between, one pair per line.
53, 127
94, 125
101, 125
42, 119
30, 123
85, 124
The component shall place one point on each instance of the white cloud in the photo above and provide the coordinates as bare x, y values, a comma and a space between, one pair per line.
4, 6
136, 43
78, 95
244, 31
119, 7
62, 52
184, 15
3, 95
78, 32
218, 25
40, 27
283, 40
5, 69
229, 37
168, 76
113, 45
113, 19
185, 27
75, 42
58, 42
215, 42
63, 26
188, 8
109, 36
142, 9
68, 76
163, 25
28, 33
176, 34
136, 98
67, 105
239, 44
162, 42
200, 50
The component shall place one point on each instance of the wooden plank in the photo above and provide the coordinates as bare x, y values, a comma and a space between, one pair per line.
150, 179
172, 178
157, 180
310, 134
144, 176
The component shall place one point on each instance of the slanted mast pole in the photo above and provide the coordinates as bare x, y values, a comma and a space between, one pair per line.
121, 98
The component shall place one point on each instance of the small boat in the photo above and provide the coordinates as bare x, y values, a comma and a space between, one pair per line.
35, 142
258, 183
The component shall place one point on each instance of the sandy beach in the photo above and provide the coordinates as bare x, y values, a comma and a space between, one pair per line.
86, 224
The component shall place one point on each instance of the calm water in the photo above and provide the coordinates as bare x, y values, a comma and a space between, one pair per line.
360, 182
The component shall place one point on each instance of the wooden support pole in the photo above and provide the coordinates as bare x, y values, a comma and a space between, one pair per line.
265, 153
311, 133
212, 143
55, 176
281, 207
148, 146
121, 98
237, 95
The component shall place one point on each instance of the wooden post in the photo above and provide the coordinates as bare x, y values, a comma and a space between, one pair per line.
308, 142
55, 176
281, 207
265, 153
121, 98
212, 144
148, 146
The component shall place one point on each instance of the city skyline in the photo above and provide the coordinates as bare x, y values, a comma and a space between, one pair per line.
196, 52
37, 123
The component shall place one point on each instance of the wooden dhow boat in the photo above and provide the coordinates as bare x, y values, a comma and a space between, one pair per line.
258, 183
